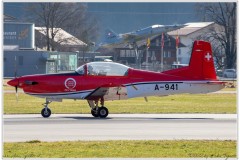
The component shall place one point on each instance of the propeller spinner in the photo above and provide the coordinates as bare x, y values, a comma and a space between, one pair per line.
15, 83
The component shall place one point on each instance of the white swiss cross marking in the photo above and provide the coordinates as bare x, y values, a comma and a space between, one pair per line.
208, 56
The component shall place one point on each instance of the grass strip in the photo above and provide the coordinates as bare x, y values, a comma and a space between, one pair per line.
124, 149
183, 103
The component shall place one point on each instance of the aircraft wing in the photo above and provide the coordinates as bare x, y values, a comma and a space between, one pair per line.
108, 93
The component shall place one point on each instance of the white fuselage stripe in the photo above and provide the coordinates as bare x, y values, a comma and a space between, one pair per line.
142, 89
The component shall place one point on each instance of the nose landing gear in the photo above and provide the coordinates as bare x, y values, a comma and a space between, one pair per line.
46, 112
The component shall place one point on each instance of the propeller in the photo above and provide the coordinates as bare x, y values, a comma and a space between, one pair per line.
146, 99
15, 82
16, 89
15, 74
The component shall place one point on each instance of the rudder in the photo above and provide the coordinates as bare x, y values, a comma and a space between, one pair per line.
201, 64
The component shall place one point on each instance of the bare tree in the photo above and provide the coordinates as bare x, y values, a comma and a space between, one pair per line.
223, 14
71, 17
211, 35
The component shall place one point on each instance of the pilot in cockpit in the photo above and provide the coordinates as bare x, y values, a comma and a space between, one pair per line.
90, 70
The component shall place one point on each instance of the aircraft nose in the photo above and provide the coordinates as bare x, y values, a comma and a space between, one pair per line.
13, 82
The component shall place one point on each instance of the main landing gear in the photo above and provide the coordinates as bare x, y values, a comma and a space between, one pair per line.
46, 112
97, 111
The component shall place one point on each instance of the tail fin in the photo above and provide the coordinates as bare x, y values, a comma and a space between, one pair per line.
201, 65
109, 34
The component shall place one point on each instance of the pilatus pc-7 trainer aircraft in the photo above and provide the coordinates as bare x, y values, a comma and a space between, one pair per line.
98, 82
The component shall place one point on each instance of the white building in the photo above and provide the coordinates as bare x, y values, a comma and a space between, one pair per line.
190, 33
63, 41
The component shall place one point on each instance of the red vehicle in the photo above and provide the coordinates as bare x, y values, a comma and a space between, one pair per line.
98, 82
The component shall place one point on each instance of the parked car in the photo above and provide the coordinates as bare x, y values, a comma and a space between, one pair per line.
230, 73
219, 73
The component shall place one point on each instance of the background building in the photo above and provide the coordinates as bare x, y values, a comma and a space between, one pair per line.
20, 55
190, 33
62, 41
18, 36
123, 53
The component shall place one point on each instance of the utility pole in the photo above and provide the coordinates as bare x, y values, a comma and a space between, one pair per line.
135, 47
177, 44
147, 47
161, 59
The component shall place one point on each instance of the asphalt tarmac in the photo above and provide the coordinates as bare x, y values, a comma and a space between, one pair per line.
71, 127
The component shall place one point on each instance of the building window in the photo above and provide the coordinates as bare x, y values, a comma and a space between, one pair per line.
153, 54
169, 54
122, 53
128, 53
5, 59
157, 42
20, 60
133, 53
165, 54
149, 53
139, 51
179, 51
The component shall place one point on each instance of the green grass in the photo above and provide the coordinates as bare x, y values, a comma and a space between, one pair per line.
184, 103
125, 149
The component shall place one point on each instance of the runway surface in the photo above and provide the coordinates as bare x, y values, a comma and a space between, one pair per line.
71, 127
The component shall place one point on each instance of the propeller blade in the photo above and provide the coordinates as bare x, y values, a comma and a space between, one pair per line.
16, 89
146, 99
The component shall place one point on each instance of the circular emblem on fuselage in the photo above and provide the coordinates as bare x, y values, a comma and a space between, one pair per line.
70, 83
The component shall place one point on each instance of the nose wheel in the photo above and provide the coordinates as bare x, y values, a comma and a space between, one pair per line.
46, 112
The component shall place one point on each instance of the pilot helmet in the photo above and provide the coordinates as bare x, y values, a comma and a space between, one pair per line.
90, 68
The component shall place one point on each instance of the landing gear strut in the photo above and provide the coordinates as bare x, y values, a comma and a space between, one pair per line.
97, 111
46, 112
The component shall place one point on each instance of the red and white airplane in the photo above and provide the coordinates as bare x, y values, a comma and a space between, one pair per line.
101, 81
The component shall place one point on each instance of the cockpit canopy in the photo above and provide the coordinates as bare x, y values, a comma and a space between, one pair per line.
103, 69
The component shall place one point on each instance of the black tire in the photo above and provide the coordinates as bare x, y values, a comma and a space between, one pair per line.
45, 113
94, 113
102, 112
